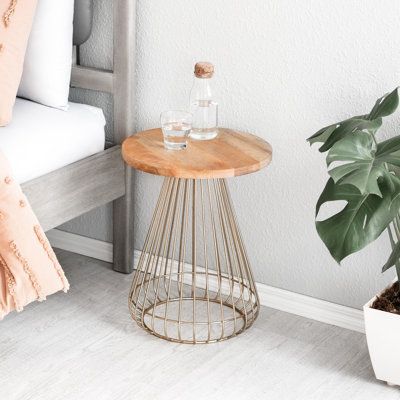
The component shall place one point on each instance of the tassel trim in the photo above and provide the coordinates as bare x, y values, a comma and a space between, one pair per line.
11, 284
52, 256
9, 13
28, 271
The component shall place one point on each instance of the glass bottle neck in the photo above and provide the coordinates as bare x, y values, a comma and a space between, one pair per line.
201, 89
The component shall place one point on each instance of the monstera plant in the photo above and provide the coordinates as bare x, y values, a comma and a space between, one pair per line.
362, 173
365, 174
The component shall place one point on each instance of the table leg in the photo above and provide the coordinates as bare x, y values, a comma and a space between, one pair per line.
193, 282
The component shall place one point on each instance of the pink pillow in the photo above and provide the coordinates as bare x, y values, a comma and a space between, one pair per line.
16, 17
29, 269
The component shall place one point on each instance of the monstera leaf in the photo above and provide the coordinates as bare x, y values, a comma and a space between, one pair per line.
370, 123
333, 133
361, 221
364, 161
385, 106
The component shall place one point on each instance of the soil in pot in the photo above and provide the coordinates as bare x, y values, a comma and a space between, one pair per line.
389, 299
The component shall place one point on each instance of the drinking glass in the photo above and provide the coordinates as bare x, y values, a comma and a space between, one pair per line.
176, 126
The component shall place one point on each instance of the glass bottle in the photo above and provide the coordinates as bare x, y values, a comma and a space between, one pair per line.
203, 106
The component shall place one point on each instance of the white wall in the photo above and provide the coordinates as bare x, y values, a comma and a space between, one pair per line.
284, 68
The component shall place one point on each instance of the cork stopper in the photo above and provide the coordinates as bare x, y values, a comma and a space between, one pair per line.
204, 70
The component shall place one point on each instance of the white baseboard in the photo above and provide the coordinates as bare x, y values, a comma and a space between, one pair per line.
81, 245
312, 308
280, 299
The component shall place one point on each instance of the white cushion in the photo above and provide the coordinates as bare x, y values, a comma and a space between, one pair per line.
41, 139
47, 66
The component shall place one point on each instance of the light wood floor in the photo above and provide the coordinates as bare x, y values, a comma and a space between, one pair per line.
84, 346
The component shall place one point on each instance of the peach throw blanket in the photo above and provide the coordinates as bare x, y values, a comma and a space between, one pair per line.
29, 269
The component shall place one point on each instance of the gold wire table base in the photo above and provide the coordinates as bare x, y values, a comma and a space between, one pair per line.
193, 283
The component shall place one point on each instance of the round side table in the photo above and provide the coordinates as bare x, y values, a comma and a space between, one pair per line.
193, 282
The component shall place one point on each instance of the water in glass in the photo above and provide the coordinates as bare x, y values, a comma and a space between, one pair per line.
175, 135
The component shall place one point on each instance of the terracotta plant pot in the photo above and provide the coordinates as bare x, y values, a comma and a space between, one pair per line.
383, 336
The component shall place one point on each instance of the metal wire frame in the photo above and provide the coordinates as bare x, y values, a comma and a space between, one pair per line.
193, 283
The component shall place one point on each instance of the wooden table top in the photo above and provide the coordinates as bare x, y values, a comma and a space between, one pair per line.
231, 153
